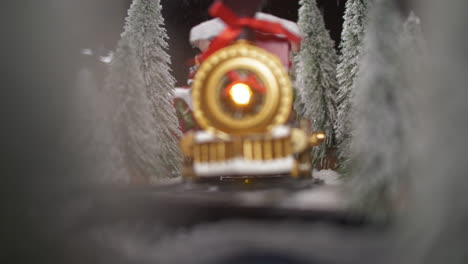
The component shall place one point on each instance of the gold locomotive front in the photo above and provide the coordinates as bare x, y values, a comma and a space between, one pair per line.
242, 98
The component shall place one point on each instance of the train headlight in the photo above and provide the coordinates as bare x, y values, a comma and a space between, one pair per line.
241, 94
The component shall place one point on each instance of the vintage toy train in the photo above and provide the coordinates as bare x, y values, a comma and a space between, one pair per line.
242, 100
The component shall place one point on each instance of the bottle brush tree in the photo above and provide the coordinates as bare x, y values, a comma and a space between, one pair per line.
379, 115
354, 28
134, 124
145, 31
91, 131
316, 81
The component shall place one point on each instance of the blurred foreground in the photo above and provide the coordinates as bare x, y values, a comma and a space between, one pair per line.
55, 212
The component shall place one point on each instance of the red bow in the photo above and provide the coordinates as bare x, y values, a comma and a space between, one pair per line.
251, 81
235, 24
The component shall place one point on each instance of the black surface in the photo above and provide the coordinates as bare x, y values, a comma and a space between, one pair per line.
147, 225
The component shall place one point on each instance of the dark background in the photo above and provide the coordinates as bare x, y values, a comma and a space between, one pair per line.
104, 21
181, 17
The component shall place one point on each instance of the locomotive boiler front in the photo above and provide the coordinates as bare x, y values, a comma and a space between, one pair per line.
242, 98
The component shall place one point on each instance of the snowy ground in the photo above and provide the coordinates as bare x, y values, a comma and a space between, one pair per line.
167, 181
330, 177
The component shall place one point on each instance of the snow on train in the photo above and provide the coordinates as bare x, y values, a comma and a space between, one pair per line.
242, 98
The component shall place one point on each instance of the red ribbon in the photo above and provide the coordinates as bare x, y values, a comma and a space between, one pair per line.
235, 25
251, 81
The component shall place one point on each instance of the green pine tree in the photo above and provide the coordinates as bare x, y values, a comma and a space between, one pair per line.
145, 30
316, 81
355, 24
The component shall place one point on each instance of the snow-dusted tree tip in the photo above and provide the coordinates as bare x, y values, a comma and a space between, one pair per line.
412, 36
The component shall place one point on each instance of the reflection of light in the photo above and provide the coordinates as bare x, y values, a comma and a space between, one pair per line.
320, 136
241, 93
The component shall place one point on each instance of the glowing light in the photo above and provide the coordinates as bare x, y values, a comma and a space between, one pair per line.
320, 136
241, 93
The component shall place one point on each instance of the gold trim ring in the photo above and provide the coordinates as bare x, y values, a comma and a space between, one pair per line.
242, 56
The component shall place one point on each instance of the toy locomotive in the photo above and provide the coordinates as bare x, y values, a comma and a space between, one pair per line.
242, 100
